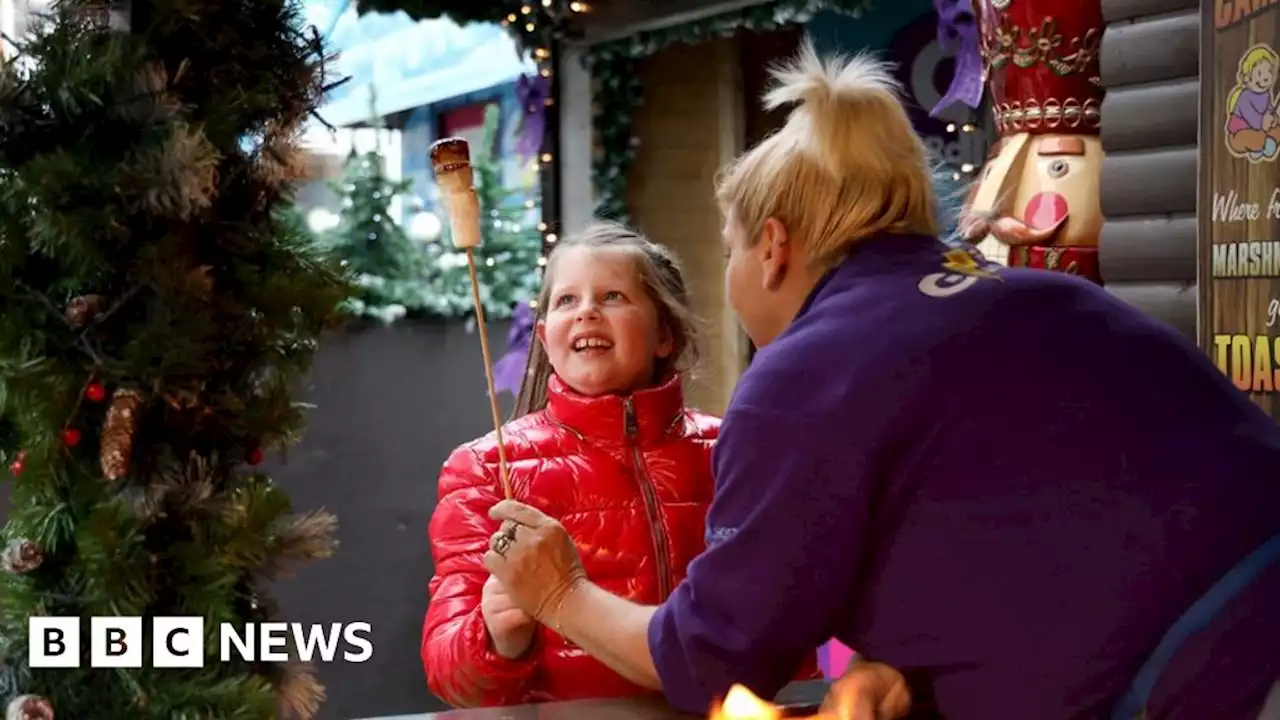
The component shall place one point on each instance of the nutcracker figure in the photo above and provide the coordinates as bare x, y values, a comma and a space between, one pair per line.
1037, 196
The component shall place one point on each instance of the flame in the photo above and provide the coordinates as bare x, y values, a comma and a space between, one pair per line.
742, 704
843, 702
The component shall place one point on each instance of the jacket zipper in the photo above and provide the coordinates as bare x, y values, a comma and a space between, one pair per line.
649, 493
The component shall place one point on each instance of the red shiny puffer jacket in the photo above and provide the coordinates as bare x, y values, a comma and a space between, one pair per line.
629, 478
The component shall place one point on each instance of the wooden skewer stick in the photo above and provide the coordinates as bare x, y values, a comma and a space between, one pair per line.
451, 160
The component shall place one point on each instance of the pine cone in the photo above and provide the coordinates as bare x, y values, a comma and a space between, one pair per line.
200, 281
83, 309
22, 556
117, 433
29, 707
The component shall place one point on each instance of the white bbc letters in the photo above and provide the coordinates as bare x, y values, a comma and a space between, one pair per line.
53, 642
274, 635
115, 642
177, 642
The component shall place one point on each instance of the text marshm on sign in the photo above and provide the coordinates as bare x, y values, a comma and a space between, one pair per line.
178, 642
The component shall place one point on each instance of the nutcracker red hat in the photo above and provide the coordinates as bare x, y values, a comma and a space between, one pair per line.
1041, 63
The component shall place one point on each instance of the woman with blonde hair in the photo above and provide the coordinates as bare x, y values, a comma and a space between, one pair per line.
1020, 496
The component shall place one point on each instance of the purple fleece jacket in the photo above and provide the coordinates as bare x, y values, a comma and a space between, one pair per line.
1008, 486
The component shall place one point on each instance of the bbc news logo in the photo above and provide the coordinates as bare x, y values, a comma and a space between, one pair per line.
178, 642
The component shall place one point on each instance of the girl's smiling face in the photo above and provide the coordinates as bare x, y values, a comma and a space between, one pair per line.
1261, 77
601, 331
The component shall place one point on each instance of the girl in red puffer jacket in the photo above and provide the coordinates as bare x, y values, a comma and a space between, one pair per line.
602, 442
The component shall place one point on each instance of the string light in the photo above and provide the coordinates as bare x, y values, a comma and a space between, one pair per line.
531, 16
966, 168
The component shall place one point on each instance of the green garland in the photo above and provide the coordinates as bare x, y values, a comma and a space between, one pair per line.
618, 90
531, 23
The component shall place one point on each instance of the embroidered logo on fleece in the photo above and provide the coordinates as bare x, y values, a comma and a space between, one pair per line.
963, 270
716, 534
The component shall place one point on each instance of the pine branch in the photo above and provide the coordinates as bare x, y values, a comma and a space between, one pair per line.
308, 537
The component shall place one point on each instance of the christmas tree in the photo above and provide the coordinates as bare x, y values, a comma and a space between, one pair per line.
389, 269
158, 308
510, 241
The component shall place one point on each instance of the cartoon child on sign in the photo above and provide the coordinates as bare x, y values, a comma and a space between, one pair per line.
1252, 130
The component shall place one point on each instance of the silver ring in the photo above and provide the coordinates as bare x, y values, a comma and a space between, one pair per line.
504, 541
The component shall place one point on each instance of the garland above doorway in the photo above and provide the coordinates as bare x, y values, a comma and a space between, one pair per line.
619, 91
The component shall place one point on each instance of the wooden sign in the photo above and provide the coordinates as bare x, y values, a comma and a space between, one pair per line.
1239, 217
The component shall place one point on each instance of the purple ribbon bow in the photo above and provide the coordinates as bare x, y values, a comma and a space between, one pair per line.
958, 35
532, 91
508, 372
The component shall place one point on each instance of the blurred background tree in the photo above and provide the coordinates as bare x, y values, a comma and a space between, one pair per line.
389, 269
510, 241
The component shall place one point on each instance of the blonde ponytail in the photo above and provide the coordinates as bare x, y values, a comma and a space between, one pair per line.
846, 165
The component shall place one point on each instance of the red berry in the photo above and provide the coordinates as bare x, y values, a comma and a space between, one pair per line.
71, 437
95, 392
256, 456
16, 467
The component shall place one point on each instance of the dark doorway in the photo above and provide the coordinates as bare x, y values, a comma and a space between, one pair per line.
758, 51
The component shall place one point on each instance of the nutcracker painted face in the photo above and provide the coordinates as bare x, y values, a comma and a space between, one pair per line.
1038, 195
1041, 191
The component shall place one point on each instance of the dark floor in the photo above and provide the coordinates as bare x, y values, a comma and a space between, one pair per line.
392, 405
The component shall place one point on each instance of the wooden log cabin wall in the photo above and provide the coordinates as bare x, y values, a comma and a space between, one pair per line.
1150, 65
